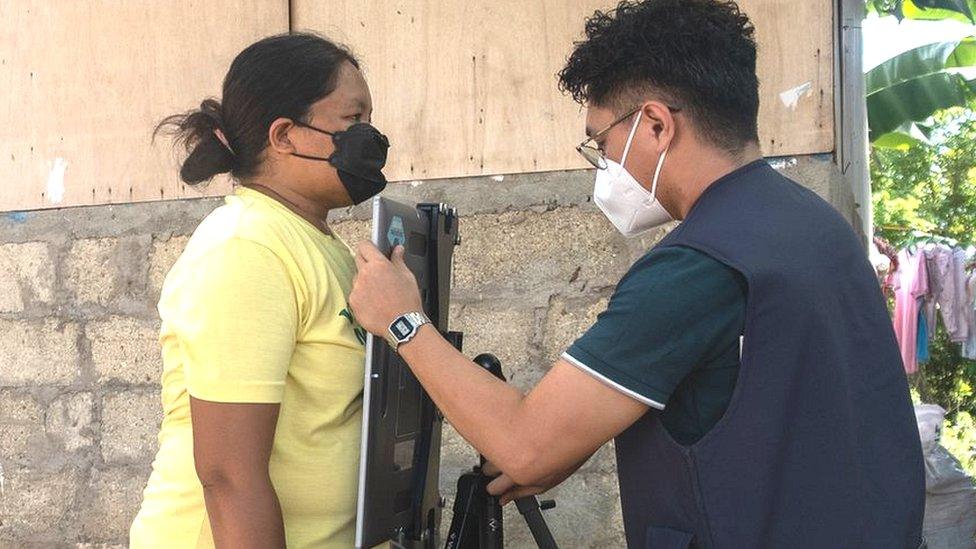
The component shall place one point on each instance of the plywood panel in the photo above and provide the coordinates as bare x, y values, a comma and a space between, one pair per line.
796, 74
469, 88
85, 82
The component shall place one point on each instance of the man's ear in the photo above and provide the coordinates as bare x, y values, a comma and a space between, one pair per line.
278, 135
662, 125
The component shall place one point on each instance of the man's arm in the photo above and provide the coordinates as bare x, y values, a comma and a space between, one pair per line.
507, 490
560, 423
532, 438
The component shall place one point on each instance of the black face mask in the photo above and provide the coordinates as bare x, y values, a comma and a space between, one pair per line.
359, 157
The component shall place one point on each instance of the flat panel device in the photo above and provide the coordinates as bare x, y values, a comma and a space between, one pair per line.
400, 456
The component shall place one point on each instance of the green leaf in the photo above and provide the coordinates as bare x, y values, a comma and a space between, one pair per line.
904, 137
921, 61
938, 9
912, 86
886, 7
882, 6
927, 10
915, 99
895, 140
964, 55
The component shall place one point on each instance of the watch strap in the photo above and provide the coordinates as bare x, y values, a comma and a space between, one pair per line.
405, 327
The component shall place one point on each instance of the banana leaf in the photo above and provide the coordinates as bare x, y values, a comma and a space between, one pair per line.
914, 85
930, 10
904, 137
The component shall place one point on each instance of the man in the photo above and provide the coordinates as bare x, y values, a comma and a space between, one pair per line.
746, 366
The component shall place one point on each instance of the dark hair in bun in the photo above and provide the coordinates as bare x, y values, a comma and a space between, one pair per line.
277, 77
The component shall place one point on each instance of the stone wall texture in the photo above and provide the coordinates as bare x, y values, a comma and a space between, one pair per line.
80, 365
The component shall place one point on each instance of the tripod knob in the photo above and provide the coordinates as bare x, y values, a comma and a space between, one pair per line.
547, 504
491, 363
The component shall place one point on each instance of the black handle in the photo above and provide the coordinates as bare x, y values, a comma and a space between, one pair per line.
491, 363
531, 510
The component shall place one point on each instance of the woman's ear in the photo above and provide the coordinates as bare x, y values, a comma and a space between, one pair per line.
278, 138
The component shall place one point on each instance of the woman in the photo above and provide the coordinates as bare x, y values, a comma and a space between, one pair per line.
262, 361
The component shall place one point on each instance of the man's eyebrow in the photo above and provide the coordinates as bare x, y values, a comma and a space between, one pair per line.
589, 132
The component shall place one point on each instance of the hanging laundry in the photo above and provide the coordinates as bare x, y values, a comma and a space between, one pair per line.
923, 339
880, 261
912, 286
959, 304
938, 261
930, 306
886, 273
969, 347
947, 289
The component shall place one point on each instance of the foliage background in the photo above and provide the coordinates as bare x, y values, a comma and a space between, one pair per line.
931, 187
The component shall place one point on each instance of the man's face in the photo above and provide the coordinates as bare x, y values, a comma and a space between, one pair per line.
643, 154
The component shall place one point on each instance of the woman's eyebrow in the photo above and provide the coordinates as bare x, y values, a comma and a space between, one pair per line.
358, 104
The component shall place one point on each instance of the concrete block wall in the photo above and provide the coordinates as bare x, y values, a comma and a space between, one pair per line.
80, 366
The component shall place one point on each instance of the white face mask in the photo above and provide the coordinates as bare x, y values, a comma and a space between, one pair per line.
624, 201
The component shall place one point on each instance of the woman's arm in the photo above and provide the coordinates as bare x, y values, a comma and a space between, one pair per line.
231, 448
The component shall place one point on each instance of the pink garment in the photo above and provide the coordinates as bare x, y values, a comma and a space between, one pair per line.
912, 286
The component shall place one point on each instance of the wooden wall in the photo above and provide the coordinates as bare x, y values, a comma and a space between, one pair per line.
469, 88
84, 83
461, 87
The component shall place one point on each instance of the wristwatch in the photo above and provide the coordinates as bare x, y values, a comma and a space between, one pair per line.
405, 327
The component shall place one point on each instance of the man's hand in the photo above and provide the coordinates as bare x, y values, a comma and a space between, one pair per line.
383, 289
507, 491
537, 439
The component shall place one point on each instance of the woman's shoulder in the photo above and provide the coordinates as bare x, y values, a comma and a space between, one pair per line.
242, 219
226, 248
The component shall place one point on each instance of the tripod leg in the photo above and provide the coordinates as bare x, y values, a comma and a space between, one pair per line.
529, 507
493, 526
464, 531
492, 536
477, 522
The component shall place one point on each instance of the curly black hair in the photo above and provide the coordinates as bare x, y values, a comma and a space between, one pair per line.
699, 55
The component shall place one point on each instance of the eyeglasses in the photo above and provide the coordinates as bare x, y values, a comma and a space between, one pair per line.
594, 155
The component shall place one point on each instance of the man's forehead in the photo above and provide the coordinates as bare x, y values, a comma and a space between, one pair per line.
597, 118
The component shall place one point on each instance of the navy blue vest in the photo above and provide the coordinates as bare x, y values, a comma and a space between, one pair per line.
819, 446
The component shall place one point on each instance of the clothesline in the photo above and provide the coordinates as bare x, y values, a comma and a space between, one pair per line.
918, 235
933, 238
924, 281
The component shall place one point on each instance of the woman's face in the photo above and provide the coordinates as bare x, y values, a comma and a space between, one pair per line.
349, 104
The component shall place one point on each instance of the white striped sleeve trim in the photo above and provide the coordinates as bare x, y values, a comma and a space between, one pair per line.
634, 395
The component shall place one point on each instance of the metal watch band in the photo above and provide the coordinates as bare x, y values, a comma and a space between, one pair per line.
405, 327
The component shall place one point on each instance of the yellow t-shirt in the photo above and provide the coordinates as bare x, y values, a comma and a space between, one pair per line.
255, 310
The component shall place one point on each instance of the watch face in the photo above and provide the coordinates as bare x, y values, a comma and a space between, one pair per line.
401, 328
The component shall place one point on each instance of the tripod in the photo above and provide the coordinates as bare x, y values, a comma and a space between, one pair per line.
477, 521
